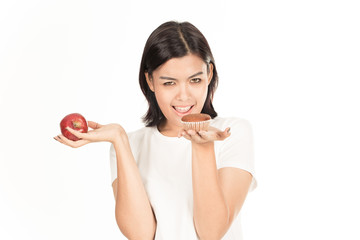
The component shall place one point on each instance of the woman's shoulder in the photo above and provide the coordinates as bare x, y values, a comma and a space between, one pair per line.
232, 122
240, 128
139, 134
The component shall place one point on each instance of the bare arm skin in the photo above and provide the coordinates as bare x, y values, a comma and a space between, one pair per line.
218, 194
133, 211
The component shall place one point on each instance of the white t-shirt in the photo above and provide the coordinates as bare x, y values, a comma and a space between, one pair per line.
165, 168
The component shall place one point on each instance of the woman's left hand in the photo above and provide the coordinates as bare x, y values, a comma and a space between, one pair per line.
212, 134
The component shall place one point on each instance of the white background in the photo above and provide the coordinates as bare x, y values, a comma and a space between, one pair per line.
290, 67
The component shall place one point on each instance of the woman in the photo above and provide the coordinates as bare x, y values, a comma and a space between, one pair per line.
170, 183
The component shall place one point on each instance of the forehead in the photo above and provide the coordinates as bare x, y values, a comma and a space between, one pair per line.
181, 67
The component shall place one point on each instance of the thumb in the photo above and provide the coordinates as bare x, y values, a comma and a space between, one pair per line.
94, 125
227, 132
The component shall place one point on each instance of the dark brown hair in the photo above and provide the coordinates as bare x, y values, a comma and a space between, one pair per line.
174, 40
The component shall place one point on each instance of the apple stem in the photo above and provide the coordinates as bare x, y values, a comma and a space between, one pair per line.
76, 124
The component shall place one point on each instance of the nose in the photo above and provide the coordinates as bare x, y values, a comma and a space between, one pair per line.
183, 92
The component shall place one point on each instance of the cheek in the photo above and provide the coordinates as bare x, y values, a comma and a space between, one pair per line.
163, 98
202, 92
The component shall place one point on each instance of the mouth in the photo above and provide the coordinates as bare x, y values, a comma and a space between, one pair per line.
183, 110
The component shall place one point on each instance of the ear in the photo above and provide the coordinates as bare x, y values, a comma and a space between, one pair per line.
210, 74
149, 81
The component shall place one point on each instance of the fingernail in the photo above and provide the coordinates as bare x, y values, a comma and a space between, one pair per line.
228, 130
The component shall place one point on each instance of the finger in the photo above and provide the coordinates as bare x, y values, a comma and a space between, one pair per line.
70, 143
76, 133
94, 125
92, 136
191, 132
200, 136
185, 135
192, 135
225, 134
181, 133
202, 133
60, 140
213, 135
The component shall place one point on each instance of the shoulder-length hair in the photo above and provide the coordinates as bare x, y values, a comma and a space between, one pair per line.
174, 40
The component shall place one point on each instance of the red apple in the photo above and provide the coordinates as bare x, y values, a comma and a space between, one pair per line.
75, 121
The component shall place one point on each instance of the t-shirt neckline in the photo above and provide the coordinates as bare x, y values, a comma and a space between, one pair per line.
158, 134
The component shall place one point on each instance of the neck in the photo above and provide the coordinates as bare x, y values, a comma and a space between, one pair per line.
169, 130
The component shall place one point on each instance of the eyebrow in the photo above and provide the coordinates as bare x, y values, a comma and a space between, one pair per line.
170, 78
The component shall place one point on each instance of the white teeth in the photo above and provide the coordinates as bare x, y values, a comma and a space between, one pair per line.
182, 109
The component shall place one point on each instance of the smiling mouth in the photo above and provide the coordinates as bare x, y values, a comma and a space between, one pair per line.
183, 110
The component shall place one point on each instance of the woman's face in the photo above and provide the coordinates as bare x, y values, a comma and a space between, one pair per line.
180, 86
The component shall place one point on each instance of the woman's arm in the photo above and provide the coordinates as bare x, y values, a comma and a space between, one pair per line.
133, 211
211, 212
218, 196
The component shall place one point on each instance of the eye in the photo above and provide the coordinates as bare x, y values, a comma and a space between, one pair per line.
196, 80
169, 83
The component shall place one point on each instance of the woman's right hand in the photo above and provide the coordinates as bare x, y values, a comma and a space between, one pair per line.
100, 133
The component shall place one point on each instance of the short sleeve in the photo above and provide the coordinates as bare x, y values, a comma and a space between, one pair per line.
113, 164
237, 150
